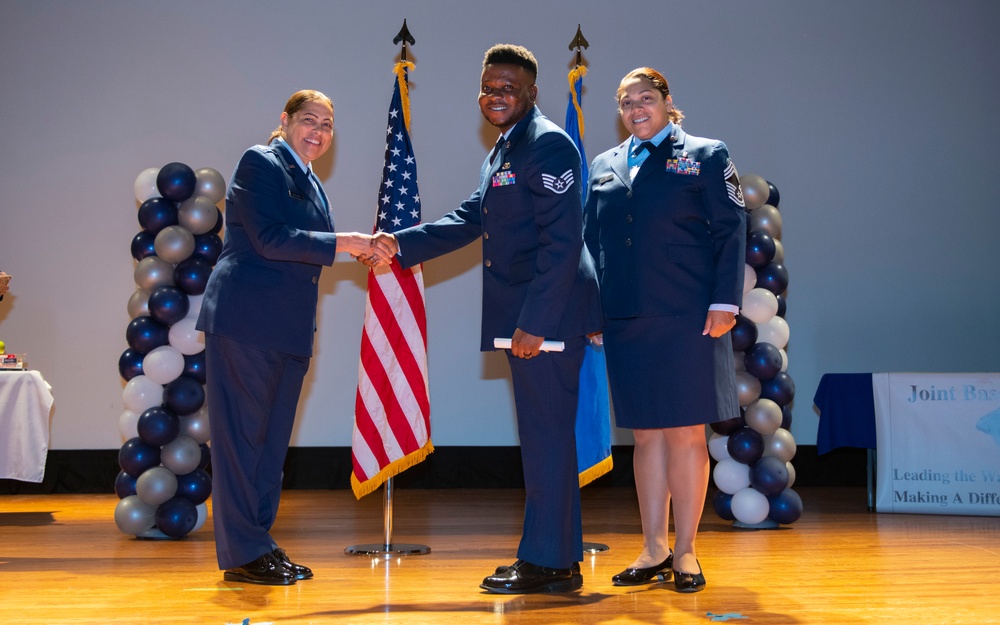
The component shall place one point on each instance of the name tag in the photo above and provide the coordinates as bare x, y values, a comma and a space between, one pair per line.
294, 195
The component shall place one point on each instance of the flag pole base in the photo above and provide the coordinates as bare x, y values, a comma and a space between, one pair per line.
589, 547
391, 549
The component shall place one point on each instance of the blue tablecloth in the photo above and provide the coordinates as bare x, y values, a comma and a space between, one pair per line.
846, 411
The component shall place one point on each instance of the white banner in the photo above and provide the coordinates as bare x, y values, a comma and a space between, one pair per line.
938, 442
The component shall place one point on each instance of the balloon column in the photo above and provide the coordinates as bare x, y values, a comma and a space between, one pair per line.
754, 473
163, 485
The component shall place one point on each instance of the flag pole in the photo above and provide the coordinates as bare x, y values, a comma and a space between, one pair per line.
579, 41
387, 547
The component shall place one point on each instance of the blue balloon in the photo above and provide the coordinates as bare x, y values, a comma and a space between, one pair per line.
727, 427
218, 224
130, 364
781, 305
744, 333
195, 486
158, 426
207, 247
206, 456
194, 366
142, 245
183, 395
745, 445
773, 277
176, 517
769, 475
157, 213
124, 485
168, 304
176, 182
780, 389
136, 456
763, 361
723, 505
774, 198
144, 334
192, 275
760, 248
785, 507
786, 417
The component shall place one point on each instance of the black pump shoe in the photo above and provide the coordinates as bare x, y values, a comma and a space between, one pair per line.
635, 576
689, 582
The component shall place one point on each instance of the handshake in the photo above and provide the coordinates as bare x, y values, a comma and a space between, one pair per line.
375, 250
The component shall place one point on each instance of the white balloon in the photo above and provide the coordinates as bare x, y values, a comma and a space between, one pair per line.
142, 393
163, 365
731, 476
784, 360
759, 305
145, 185
717, 446
194, 305
186, 338
128, 424
202, 509
774, 331
749, 278
750, 506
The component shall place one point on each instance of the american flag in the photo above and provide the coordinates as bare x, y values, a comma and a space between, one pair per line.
392, 407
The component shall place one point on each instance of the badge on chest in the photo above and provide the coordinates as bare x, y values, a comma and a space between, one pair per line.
683, 165
504, 179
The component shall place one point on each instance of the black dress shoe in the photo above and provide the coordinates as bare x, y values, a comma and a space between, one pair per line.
504, 567
689, 582
634, 576
267, 569
301, 572
523, 577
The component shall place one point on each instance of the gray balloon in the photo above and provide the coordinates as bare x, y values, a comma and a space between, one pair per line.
781, 445
739, 362
764, 416
198, 214
153, 272
209, 184
747, 388
779, 252
768, 219
181, 455
156, 485
174, 244
755, 191
195, 426
138, 304
134, 516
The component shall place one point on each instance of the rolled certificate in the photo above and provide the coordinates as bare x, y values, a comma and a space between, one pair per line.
547, 346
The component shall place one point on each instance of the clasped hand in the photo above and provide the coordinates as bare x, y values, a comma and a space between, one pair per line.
382, 246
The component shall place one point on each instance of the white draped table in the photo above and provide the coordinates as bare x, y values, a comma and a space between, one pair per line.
25, 404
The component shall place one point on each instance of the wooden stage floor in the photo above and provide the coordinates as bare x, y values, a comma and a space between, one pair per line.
62, 560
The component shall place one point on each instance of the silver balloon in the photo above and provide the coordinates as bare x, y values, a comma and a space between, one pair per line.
138, 304
768, 219
181, 455
153, 272
779, 252
156, 485
791, 474
195, 426
134, 516
755, 191
738, 361
747, 388
209, 184
781, 445
764, 416
174, 244
198, 214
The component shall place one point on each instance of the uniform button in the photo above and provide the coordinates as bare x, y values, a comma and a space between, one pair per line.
486, 235
485, 210
629, 194
315, 279
488, 262
628, 219
628, 242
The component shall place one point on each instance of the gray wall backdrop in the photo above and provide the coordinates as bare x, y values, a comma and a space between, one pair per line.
876, 120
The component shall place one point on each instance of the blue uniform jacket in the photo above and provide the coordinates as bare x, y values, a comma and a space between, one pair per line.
537, 276
264, 288
671, 242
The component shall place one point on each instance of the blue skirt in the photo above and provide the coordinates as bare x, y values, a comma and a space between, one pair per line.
663, 373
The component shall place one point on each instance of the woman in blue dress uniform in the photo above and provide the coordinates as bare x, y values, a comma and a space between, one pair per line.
665, 221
